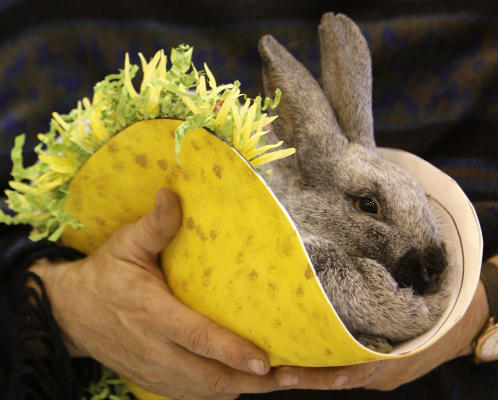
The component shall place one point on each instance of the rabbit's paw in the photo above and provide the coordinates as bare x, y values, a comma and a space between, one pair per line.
375, 343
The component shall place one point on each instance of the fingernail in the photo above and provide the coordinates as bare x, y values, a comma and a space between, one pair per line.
339, 381
160, 199
256, 366
287, 379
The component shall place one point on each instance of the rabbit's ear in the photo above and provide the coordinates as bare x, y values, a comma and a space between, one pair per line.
306, 120
347, 76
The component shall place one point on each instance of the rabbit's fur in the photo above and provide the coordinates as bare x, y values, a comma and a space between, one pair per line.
384, 273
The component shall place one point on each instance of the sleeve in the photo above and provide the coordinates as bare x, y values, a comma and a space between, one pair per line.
489, 277
37, 364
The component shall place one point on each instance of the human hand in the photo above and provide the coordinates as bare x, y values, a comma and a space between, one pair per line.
390, 374
115, 307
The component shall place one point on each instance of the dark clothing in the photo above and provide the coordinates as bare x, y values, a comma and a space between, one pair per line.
435, 94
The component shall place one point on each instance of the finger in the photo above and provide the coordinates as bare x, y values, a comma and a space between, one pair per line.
171, 389
304, 377
360, 375
328, 378
209, 378
145, 238
156, 229
202, 336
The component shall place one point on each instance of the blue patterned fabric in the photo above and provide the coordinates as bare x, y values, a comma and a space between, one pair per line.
435, 94
435, 86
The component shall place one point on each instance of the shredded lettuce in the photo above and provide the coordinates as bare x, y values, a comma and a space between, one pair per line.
107, 385
40, 190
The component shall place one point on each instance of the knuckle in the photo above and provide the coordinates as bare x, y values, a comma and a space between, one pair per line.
198, 341
371, 371
122, 238
219, 383
329, 380
148, 227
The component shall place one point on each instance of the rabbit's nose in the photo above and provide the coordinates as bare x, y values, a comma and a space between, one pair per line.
421, 269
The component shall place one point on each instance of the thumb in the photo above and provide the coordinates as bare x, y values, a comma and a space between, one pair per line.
144, 239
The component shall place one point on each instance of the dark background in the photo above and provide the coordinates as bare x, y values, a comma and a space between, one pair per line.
52, 52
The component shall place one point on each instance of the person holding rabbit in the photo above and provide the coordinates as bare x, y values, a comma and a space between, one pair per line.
203, 359
187, 355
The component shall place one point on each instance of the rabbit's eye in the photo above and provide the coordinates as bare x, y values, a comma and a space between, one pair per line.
367, 205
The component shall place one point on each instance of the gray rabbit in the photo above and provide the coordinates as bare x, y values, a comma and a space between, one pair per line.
366, 222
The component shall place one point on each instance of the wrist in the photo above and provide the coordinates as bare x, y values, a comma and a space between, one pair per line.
56, 279
475, 319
